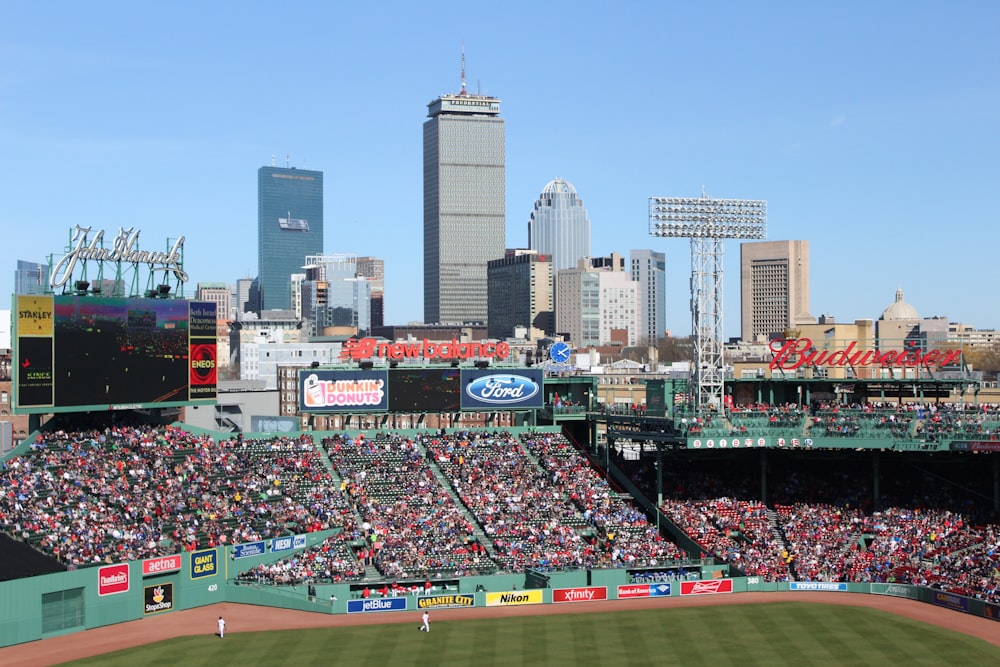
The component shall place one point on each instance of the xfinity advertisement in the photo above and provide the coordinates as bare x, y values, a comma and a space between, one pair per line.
502, 389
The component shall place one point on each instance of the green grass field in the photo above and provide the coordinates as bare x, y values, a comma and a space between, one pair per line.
797, 634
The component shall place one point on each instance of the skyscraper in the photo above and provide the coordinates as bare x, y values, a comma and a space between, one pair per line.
335, 299
596, 300
774, 287
559, 226
31, 277
649, 271
241, 297
289, 227
373, 269
520, 294
464, 204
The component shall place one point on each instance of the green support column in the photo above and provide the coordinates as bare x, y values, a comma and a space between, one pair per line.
875, 478
763, 476
659, 482
996, 482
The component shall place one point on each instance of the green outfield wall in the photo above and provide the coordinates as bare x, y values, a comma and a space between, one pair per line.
56, 604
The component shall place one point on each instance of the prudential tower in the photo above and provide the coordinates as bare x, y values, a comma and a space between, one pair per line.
464, 204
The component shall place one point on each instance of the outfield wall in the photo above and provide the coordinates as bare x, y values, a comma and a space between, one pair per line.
63, 603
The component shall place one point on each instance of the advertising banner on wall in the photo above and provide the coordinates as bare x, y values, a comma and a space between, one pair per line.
343, 391
202, 350
707, 587
448, 600
204, 563
248, 549
581, 594
378, 604
513, 598
500, 389
33, 376
161, 565
112, 579
158, 598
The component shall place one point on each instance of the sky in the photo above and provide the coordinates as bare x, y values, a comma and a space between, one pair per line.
872, 130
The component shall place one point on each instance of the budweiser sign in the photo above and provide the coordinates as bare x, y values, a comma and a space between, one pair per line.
707, 587
795, 353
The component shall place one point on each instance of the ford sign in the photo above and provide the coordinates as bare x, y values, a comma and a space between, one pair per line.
500, 389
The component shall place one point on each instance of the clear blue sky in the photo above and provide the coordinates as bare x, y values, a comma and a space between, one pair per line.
872, 129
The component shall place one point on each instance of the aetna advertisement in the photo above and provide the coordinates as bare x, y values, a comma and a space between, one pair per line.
502, 389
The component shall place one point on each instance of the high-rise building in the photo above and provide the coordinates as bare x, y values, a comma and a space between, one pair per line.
289, 227
241, 297
219, 294
774, 287
464, 204
295, 292
373, 269
649, 270
248, 336
31, 278
520, 294
559, 226
596, 299
335, 300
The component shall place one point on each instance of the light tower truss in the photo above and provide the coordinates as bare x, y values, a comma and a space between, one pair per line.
708, 223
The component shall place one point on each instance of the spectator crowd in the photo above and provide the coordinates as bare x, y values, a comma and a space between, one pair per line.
415, 507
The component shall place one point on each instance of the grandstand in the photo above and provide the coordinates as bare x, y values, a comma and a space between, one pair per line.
886, 492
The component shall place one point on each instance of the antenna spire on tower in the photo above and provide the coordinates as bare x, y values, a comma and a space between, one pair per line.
463, 91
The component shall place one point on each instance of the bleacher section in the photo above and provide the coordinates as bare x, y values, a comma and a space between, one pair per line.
408, 507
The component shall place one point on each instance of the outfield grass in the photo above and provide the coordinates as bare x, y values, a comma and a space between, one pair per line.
792, 633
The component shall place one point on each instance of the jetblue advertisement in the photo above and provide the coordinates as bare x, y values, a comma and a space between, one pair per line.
502, 389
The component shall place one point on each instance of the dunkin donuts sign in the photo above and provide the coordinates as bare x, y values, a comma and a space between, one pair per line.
112, 579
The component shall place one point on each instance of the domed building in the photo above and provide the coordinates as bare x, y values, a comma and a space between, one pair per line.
899, 310
900, 326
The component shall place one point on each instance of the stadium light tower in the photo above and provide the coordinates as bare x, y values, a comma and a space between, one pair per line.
707, 222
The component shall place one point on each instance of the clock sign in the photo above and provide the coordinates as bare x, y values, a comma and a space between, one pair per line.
559, 352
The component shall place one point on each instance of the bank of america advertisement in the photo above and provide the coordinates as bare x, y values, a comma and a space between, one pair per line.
343, 391
502, 389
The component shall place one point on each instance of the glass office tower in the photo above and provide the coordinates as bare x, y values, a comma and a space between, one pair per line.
464, 205
649, 271
560, 226
289, 227
31, 277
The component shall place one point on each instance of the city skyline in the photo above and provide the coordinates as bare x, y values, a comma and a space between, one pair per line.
869, 130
